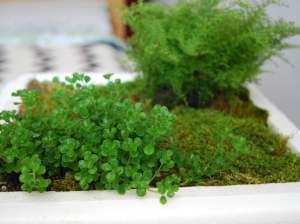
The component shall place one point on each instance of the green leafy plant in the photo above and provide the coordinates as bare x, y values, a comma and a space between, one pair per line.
104, 141
195, 50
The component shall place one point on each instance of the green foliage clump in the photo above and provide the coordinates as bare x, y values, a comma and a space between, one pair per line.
190, 52
103, 141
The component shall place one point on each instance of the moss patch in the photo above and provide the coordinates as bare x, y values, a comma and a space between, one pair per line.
239, 105
66, 183
268, 159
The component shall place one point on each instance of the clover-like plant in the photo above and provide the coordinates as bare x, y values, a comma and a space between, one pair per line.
104, 141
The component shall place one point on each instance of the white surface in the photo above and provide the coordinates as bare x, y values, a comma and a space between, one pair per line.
281, 83
54, 16
267, 204
294, 142
244, 204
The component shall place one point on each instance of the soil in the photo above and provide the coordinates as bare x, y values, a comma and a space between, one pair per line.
9, 182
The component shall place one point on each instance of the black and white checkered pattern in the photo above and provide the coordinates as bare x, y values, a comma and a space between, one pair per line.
96, 57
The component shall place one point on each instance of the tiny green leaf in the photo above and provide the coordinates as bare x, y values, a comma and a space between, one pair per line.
163, 199
149, 150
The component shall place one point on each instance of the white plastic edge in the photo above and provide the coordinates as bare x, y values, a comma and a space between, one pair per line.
276, 119
242, 204
248, 204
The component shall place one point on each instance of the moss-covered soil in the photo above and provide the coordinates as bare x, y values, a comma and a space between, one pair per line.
231, 124
268, 160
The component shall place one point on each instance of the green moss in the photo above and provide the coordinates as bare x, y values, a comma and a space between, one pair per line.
268, 160
68, 183
238, 105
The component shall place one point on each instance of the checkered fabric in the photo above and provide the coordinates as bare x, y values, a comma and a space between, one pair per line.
96, 57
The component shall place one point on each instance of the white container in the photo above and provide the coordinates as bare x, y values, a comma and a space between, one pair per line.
241, 204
